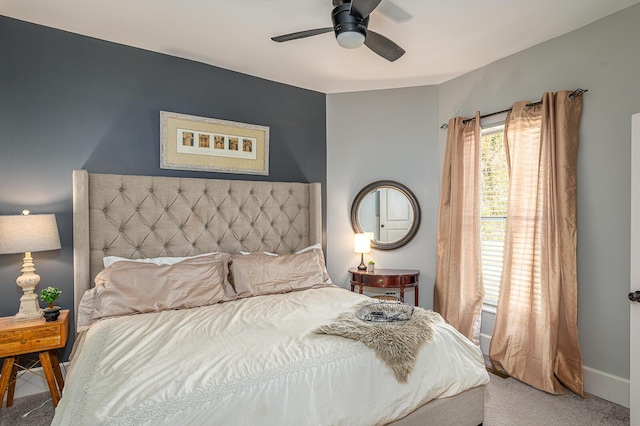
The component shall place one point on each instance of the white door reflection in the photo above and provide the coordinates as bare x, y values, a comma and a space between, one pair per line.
387, 213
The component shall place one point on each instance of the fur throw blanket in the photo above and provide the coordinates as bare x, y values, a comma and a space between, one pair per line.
395, 343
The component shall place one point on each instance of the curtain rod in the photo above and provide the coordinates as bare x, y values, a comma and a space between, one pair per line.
572, 95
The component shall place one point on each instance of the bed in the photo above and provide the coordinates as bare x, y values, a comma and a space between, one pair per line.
248, 354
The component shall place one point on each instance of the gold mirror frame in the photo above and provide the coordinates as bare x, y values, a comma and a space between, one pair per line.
413, 201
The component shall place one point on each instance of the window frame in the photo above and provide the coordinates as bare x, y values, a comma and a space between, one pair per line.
489, 127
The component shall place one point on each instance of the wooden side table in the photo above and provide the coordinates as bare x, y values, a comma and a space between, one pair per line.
19, 338
386, 278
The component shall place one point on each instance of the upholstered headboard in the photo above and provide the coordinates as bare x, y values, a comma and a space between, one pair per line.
146, 216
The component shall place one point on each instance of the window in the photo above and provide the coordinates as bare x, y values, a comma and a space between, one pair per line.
493, 209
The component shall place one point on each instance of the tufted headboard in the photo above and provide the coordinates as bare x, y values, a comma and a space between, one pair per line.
150, 216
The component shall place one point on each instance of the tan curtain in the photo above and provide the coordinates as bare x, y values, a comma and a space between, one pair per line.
459, 291
535, 336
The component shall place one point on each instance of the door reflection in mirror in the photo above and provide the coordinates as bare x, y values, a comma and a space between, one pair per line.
387, 213
389, 210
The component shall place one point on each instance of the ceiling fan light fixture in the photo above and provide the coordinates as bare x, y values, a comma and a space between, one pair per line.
350, 24
350, 39
350, 30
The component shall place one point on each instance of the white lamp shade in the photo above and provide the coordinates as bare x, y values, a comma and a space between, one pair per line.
28, 233
362, 243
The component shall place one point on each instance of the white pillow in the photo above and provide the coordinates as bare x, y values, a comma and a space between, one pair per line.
247, 253
160, 261
315, 246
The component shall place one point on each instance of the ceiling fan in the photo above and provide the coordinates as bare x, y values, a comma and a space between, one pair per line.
350, 19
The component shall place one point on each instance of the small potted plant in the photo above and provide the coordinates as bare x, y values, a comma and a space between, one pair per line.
370, 266
50, 295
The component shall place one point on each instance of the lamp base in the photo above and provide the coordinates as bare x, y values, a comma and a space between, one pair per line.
28, 316
29, 308
362, 266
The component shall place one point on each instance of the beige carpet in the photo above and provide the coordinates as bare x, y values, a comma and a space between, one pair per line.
507, 403
42, 416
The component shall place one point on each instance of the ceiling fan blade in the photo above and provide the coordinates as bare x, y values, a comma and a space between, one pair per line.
394, 12
383, 46
301, 34
363, 8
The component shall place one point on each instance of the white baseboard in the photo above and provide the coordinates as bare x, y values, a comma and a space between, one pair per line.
32, 382
484, 343
597, 383
606, 386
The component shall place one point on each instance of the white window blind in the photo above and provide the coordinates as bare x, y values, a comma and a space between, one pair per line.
493, 209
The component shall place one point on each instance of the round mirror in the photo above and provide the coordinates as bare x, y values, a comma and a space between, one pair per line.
389, 211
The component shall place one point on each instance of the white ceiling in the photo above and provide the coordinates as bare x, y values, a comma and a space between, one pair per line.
443, 39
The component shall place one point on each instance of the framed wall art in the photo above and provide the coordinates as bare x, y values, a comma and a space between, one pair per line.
189, 142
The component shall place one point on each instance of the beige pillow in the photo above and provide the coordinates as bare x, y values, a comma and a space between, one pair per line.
258, 274
126, 288
161, 261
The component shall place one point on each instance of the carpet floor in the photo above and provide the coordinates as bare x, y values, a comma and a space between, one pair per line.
508, 402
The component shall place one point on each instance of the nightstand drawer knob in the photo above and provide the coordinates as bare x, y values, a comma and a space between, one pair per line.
380, 280
23, 341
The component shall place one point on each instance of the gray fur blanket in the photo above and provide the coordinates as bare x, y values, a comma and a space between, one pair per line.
395, 343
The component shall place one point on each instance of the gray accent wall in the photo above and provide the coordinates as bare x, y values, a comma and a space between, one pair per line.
69, 102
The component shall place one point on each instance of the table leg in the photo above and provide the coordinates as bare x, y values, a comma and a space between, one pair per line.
360, 288
7, 369
416, 294
55, 364
12, 384
45, 360
402, 293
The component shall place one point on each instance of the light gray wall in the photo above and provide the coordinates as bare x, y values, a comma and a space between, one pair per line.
391, 134
602, 57
376, 135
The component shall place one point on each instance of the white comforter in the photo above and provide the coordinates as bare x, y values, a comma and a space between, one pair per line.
253, 361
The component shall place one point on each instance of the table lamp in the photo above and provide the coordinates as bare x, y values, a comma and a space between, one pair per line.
362, 244
27, 233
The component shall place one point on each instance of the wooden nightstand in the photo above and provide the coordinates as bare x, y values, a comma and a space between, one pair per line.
386, 278
19, 338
